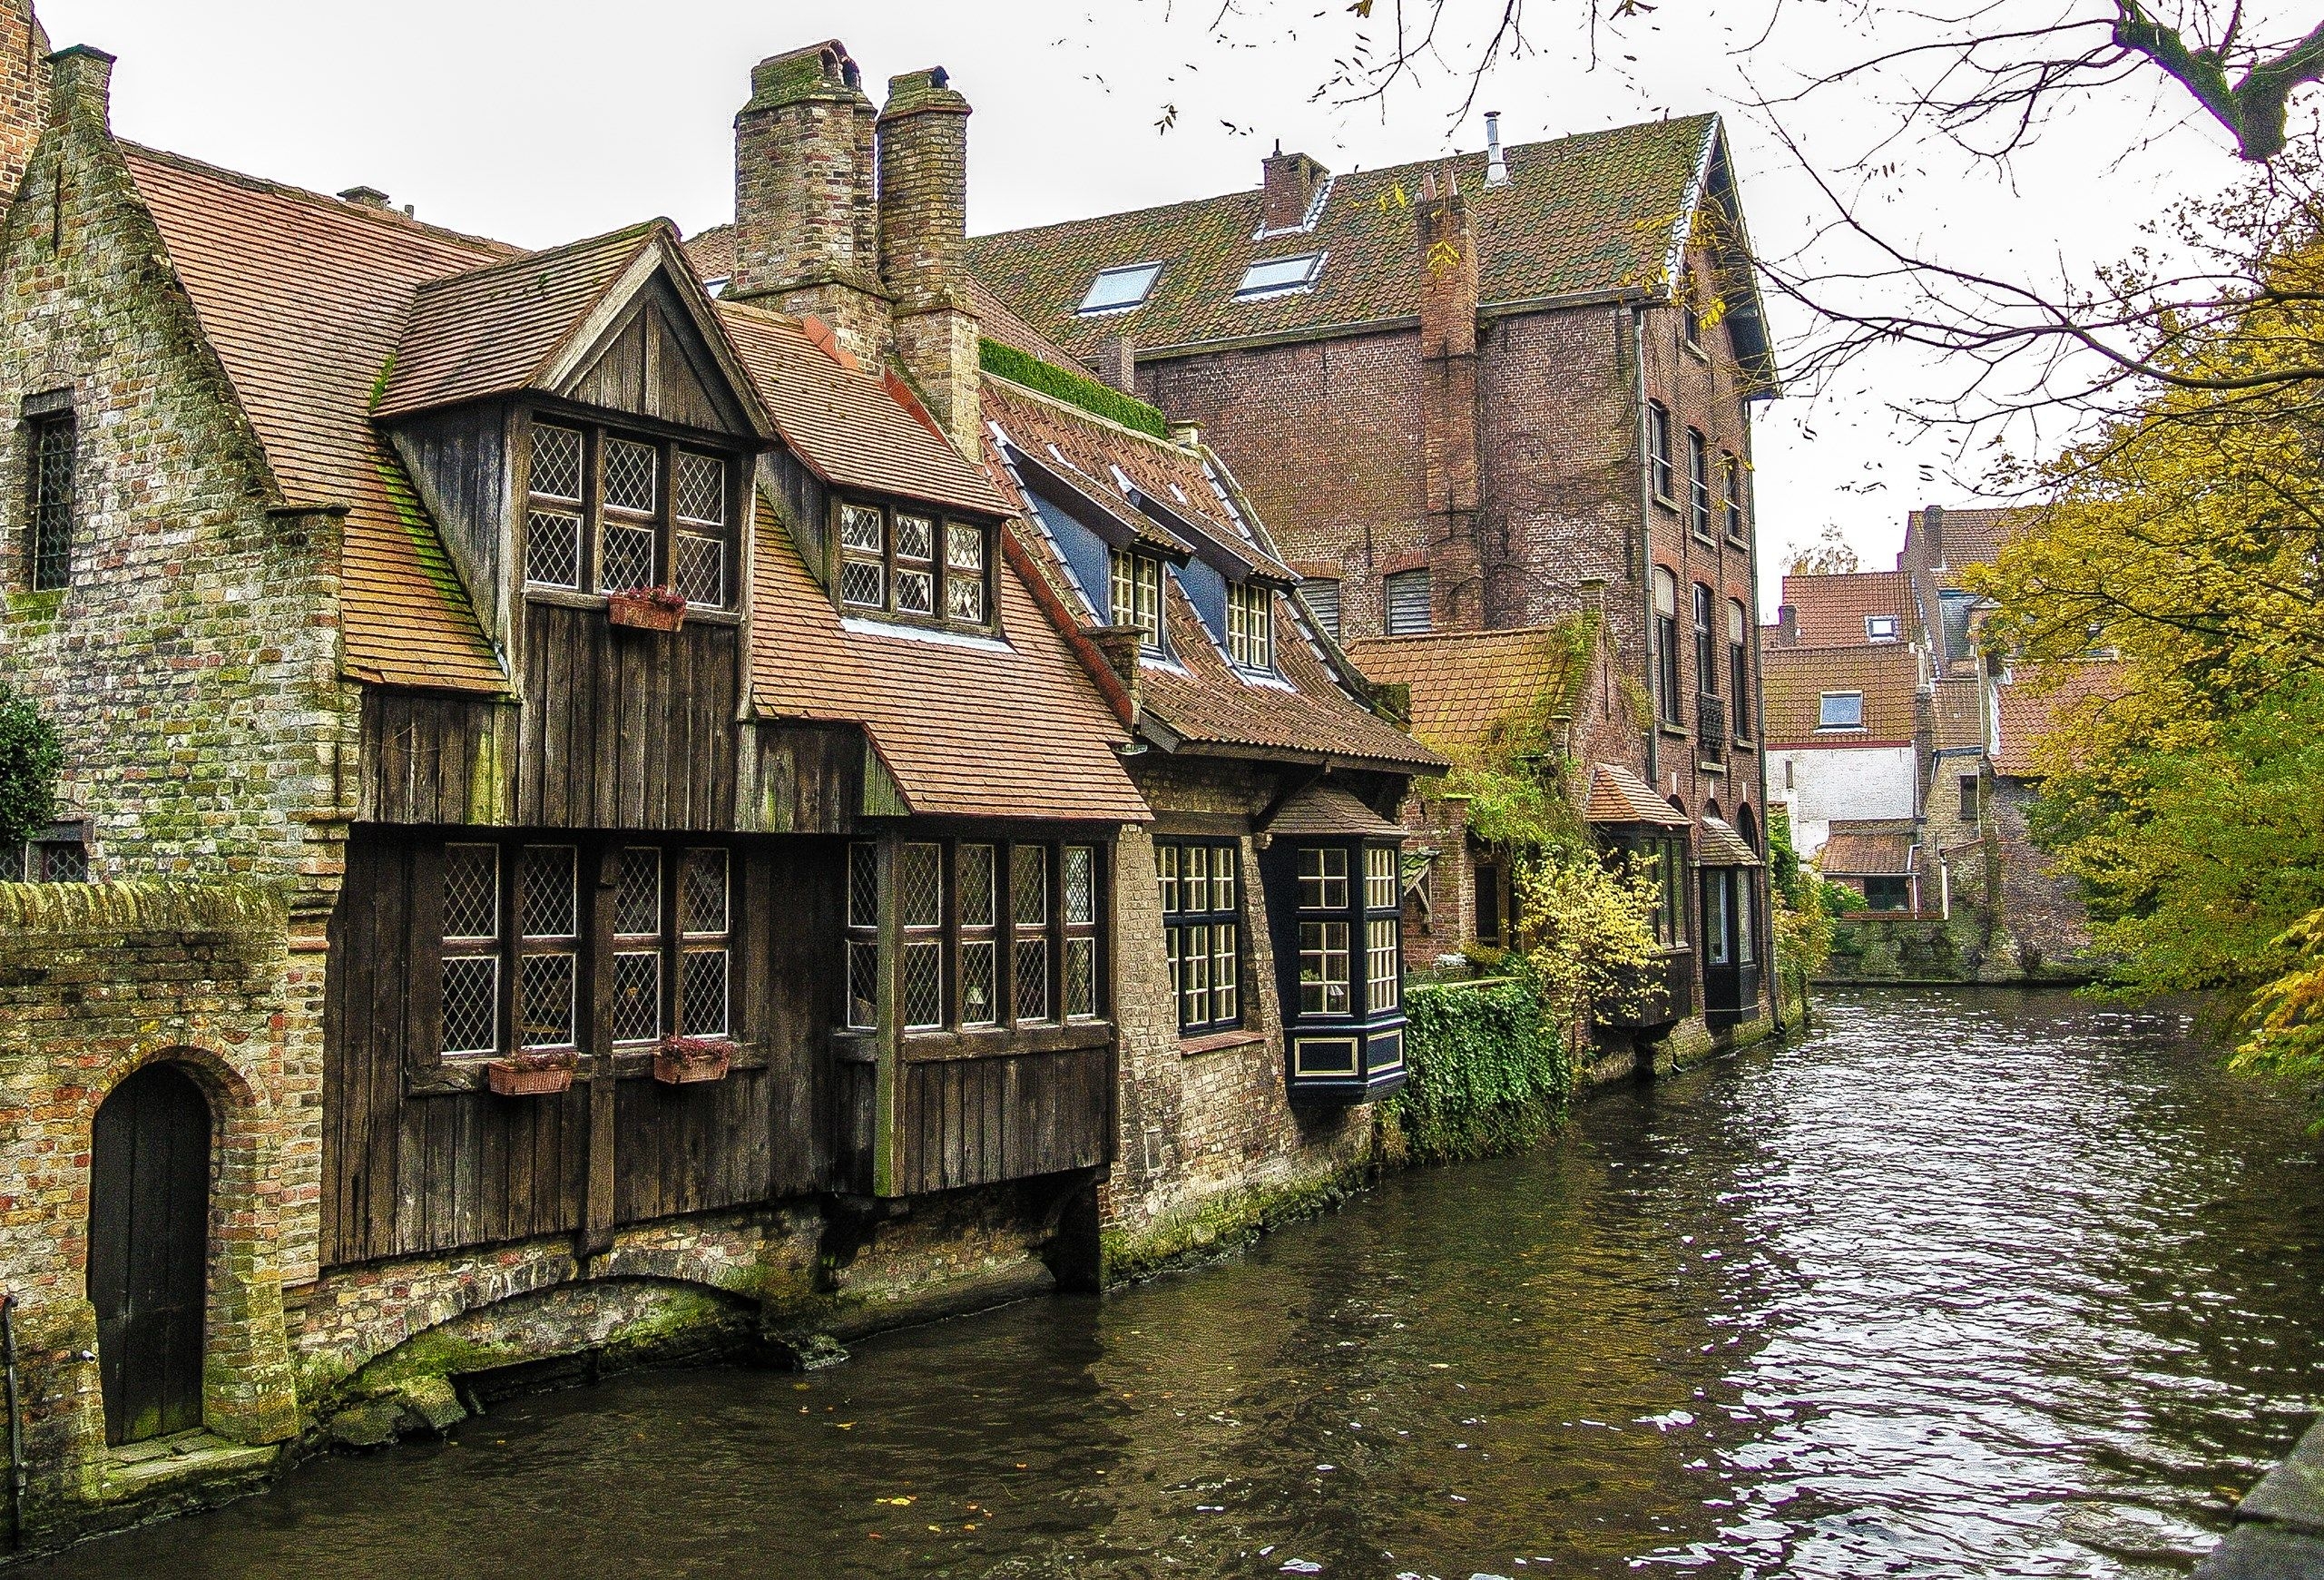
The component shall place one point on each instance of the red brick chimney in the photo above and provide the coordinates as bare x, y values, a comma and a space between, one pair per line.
1289, 181
923, 240
805, 226
1932, 527
1448, 415
23, 91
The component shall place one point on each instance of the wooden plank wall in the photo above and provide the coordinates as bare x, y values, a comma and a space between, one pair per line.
626, 729
422, 757
975, 1121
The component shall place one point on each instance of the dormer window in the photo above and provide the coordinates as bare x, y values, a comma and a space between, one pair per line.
1136, 587
607, 513
915, 564
1251, 625
1279, 276
1115, 290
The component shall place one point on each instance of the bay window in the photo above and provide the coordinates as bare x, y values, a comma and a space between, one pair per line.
610, 513
1337, 908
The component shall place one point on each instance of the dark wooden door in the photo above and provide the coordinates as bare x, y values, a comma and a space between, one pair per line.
149, 1242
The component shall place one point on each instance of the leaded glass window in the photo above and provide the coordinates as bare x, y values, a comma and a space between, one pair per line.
614, 514
51, 440
548, 914
470, 1015
912, 564
637, 946
704, 955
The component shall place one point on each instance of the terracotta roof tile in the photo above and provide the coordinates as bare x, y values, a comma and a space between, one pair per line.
1199, 696
1959, 714
1716, 844
1830, 610
2036, 702
967, 727
303, 297
1619, 796
1866, 854
1594, 212
844, 424
1323, 808
713, 251
1794, 679
1466, 683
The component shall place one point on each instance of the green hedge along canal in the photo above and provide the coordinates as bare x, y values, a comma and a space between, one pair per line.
1967, 1283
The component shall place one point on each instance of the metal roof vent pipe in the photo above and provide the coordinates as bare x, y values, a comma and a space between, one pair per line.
1497, 168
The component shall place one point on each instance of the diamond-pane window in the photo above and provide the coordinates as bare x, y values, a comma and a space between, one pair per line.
553, 548
471, 1005
914, 538
863, 985
702, 993
556, 462
1029, 885
471, 891
637, 995
12, 863
965, 599
863, 885
702, 893
628, 558
545, 987
975, 882
860, 528
637, 902
64, 861
864, 583
701, 489
1033, 979
698, 572
1081, 884
920, 890
1081, 978
52, 444
548, 908
915, 591
978, 1004
923, 984
630, 467
964, 546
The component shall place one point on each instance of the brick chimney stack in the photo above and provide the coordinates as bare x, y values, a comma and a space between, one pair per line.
923, 240
23, 91
1787, 625
1932, 525
1449, 414
1289, 181
804, 225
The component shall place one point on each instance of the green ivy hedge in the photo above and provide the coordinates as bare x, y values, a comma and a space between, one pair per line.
1486, 1073
1100, 399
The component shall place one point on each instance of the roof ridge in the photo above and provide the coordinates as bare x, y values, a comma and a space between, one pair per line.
1429, 162
394, 219
1083, 415
539, 255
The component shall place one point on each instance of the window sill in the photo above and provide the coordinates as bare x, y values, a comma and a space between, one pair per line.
1001, 1042
1219, 1042
1669, 732
566, 598
1667, 503
1705, 538
467, 1071
1739, 544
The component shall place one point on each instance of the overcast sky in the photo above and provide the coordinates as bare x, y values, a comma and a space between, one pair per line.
537, 123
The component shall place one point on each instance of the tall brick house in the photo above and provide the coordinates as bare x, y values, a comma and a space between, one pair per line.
605, 818
1497, 393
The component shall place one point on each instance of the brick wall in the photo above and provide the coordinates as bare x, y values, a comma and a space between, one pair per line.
2042, 915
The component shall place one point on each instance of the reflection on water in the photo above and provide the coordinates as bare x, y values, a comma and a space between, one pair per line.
1970, 1283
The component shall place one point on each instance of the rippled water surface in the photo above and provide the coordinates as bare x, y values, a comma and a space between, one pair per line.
1971, 1284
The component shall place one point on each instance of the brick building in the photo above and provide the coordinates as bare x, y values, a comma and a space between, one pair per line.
608, 820
1497, 393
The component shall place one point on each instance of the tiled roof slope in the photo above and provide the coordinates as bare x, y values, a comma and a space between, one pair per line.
713, 251
1200, 698
1463, 683
303, 298
964, 727
996, 321
1972, 536
1830, 610
1619, 796
1326, 810
1958, 717
1866, 854
2038, 700
1716, 844
1793, 680
1582, 214
845, 425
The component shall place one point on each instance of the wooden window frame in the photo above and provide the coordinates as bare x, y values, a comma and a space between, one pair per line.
663, 520
1672, 708
1251, 626
937, 567
1140, 573
1662, 475
1182, 926
1739, 668
1731, 487
1706, 641
1698, 485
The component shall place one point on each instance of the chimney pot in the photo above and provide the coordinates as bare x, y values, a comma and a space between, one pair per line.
1186, 433
1497, 168
364, 197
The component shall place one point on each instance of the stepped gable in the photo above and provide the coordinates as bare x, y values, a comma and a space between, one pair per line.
303, 298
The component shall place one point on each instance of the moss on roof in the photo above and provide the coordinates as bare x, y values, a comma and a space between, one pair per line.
1073, 388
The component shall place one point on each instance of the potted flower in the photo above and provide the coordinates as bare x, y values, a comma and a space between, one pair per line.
647, 608
680, 1061
534, 1073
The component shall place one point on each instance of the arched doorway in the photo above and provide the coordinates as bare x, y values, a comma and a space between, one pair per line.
149, 1247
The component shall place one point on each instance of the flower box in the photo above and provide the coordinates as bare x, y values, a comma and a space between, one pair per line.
530, 1074
647, 609
681, 1061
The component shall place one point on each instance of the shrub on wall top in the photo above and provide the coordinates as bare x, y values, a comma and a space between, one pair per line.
30, 756
1488, 1072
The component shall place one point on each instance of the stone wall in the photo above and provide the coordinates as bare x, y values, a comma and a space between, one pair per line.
96, 982
2047, 928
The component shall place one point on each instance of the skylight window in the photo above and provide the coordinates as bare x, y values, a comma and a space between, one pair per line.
1840, 711
1275, 276
1117, 289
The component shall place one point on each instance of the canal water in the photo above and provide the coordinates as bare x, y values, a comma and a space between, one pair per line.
1966, 1283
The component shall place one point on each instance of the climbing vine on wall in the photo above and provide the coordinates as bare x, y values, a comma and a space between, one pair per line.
30, 756
1489, 1072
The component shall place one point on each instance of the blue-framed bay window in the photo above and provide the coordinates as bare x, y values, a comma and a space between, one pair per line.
1335, 902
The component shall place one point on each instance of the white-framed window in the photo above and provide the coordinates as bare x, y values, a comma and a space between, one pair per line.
469, 1018
975, 890
1840, 711
915, 564
1880, 628
1383, 972
548, 946
1323, 968
1323, 878
553, 519
1124, 286
1379, 878
1136, 596
1251, 625
705, 957
698, 562
1279, 276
